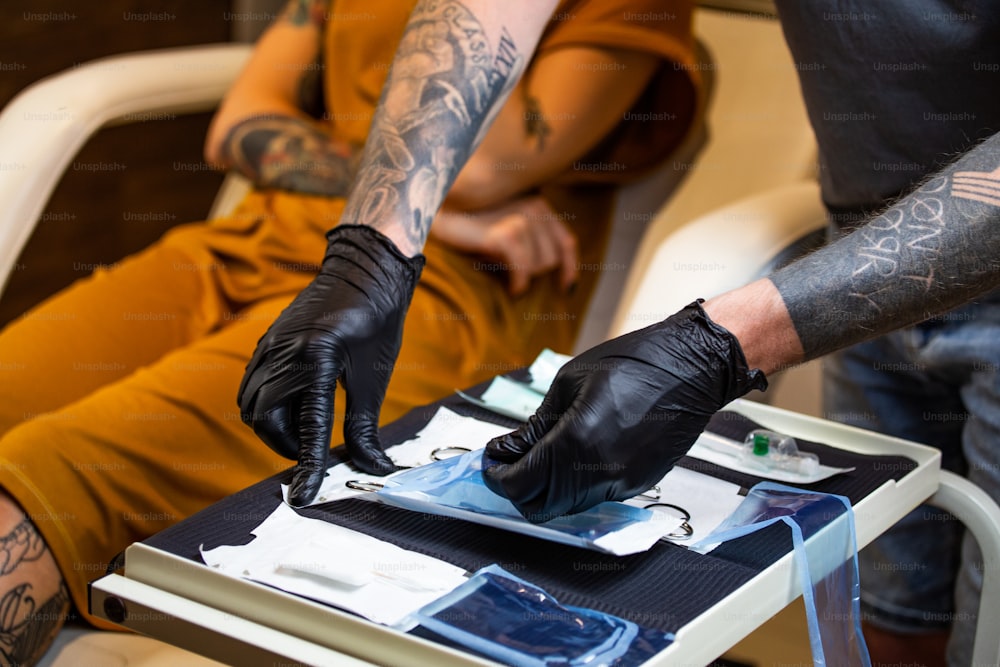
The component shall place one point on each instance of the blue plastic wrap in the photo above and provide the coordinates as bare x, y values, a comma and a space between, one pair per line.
511, 620
455, 487
825, 546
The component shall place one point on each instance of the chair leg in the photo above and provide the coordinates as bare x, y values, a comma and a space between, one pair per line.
981, 517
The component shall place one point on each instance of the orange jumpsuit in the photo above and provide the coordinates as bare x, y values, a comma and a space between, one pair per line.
118, 412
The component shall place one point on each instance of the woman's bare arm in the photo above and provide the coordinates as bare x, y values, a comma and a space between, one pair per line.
266, 127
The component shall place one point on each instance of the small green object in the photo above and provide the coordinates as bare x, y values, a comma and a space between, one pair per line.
760, 444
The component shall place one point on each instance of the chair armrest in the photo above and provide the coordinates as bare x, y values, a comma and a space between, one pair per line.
43, 128
719, 251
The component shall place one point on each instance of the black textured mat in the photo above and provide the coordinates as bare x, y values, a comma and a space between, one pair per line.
663, 588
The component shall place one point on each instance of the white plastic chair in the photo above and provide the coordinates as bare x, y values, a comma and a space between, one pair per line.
76, 103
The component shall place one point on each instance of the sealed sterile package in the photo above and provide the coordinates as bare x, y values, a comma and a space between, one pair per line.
454, 487
338, 566
517, 623
825, 547
544, 368
520, 400
507, 397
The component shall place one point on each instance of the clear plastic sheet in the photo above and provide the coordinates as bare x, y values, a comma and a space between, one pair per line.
454, 487
825, 545
511, 620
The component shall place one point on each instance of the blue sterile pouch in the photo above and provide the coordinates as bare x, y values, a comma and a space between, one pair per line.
825, 545
511, 620
454, 487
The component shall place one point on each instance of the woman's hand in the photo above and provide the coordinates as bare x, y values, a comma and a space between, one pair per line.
523, 237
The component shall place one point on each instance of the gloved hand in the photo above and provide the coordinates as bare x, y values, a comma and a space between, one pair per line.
619, 416
346, 325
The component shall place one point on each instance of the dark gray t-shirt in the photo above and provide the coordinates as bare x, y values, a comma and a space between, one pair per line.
894, 89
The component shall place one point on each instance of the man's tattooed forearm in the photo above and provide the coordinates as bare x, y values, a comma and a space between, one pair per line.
934, 249
290, 154
444, 89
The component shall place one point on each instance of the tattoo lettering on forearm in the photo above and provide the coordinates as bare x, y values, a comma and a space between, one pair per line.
934, 249
444, 89
290, 154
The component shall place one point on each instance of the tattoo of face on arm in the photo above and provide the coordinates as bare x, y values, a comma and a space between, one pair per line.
26, 627
291, 154
933, 250
442, 93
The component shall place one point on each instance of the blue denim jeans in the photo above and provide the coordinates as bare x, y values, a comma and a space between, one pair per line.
936, 383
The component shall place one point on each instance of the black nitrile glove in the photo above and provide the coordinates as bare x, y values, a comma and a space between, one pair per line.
619, 416
346, 325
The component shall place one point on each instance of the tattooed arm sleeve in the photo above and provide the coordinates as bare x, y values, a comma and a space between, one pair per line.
455, 65
932, 250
